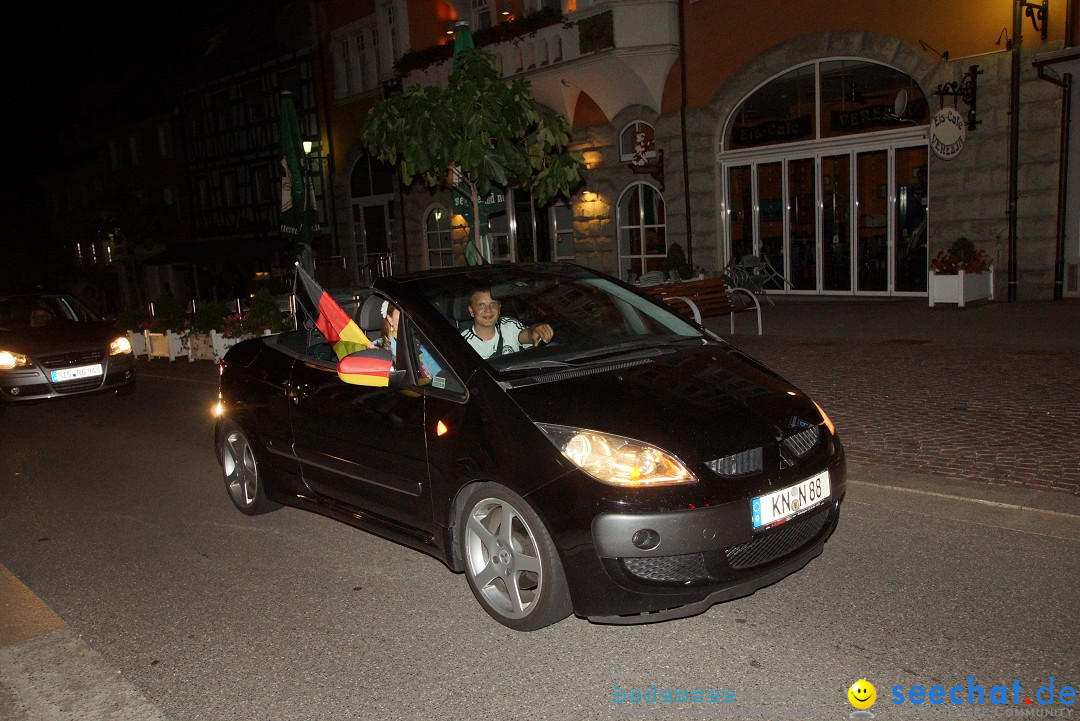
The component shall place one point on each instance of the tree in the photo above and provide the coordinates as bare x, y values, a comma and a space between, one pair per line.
481, 129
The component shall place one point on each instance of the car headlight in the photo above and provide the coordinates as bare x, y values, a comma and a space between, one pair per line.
617, 460
120, 345
825, 419
11, 359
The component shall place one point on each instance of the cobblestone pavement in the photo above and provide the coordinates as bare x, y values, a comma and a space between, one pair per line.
981, 410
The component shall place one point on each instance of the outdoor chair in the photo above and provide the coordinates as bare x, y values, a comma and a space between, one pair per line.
748, 274
766, 268
653, 277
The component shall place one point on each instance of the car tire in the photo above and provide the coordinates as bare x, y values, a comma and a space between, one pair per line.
241, 470
511, 562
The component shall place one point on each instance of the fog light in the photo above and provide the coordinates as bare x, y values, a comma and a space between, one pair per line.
14, 391
646, 539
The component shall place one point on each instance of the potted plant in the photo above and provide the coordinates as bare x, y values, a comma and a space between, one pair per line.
961, 274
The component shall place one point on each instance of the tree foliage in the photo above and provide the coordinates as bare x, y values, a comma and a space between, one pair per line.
485, 128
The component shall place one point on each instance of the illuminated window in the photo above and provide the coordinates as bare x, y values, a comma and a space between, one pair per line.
642, 230
440, 247
637, 143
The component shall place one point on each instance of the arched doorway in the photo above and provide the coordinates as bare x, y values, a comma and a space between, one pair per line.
824, 172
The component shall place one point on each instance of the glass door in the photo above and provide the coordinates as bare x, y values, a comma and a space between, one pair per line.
872, 203
770, 193
740, 211
802, 224
836, 222
910, 256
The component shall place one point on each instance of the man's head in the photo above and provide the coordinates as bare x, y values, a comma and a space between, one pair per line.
483, 308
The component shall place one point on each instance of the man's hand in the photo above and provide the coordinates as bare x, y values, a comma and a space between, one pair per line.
539, 332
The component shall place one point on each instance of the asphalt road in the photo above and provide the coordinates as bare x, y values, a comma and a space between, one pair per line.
113, 513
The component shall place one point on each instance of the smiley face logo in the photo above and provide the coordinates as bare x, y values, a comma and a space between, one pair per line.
862, 694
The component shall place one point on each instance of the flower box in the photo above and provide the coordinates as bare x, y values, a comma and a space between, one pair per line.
138, 343
200, 347
961, 288
164, 345
221, 344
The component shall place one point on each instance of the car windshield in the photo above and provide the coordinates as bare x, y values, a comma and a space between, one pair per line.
591, 317
35, 311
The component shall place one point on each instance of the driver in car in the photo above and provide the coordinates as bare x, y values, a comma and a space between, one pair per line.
492, 335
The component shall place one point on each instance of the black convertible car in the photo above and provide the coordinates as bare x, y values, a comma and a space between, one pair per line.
609, 459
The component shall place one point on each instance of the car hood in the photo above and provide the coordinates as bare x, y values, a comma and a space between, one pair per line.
58, 337
699, 403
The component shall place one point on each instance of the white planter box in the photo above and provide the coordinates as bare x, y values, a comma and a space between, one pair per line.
138, 343
961, 288
164, 345
221, 344
200, 347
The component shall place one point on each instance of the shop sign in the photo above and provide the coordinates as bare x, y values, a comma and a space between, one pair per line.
774, 131
947, 133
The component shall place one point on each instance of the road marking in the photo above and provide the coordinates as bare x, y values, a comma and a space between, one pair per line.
951, 497
174, 378
25, 616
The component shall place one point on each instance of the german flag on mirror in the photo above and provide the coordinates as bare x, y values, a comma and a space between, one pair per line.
340, 330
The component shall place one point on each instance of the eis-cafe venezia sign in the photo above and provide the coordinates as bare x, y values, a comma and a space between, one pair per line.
947, 133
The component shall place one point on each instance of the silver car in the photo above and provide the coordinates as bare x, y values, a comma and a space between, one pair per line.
51, 345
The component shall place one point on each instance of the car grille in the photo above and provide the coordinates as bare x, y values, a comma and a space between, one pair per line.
803, 442
668, 569
777, 543
77, 386
63, 360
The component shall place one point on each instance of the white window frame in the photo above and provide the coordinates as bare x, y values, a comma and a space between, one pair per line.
428, 250
395, 33
626, 153
639, 223
360, 60
478, 8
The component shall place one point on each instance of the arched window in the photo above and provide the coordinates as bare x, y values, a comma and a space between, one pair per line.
437, 236
856, 96
642, 230
636, 142
371, 176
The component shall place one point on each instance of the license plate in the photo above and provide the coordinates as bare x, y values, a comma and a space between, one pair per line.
778, 506
70, 374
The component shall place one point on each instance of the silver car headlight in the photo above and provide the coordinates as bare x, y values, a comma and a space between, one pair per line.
120, 345
11, 359
617, 460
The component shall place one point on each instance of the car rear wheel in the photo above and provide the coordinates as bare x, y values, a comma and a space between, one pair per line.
510, 560
241, 470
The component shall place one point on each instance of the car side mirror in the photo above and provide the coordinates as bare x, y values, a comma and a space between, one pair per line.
370, 367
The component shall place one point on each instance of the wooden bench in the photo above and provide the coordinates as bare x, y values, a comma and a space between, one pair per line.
705, 298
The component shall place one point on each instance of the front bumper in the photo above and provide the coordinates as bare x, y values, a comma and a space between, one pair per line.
702, 556
33, 384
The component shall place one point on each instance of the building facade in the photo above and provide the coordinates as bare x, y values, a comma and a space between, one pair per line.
808, 137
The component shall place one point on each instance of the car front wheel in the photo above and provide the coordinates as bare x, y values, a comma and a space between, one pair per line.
242, 471
511, 562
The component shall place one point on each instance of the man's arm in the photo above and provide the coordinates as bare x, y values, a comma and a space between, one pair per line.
536, 333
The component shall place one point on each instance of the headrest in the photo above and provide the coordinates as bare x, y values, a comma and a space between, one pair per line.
371, 317
460, 311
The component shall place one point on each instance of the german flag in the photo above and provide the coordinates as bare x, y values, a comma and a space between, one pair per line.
369, 367
334, 323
